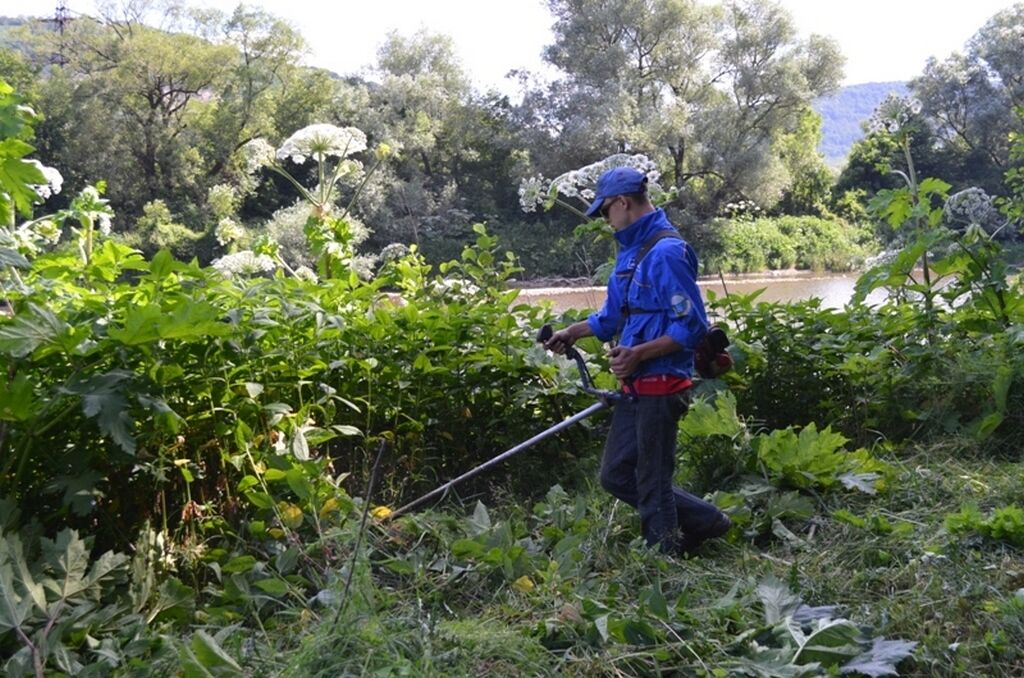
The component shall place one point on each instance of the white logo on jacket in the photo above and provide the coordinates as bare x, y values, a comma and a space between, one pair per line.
681, 305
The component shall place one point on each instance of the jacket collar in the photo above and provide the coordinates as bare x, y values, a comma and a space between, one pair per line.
636, 233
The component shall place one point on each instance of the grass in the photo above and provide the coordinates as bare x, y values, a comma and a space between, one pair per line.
567, 588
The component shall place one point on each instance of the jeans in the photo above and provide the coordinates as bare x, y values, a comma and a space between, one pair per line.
638, 464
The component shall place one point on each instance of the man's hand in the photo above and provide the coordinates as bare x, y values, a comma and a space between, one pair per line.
561, 340
624, 361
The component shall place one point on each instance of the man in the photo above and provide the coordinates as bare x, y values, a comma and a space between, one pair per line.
656, 310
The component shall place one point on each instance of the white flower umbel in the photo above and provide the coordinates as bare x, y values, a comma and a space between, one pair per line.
394, 251
580, 183
531, 193
305, 273
895, 115
244, 263
973, 206
320, 141
256, 154
54, 181
103, 223
48, 229
229, 231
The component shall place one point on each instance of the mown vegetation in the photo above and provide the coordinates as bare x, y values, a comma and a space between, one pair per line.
197, 461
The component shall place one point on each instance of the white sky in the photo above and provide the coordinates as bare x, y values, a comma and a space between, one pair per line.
881, 39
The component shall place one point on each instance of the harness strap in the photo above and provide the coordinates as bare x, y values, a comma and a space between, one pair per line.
641, 253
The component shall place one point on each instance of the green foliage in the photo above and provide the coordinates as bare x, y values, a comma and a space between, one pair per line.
578, 596
17, 175
156, 230
751, 474
169, 378
1005, 523
816, 459
787, 242
239, 416
62, 610
811, 181
897, 369
660, 63
807, 640
1013, 205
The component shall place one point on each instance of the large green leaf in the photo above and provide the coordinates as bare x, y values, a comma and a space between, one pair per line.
187, 320
17, 176
17, 398
14, 609
104, 398
881, 659
175, 601
9, 257
204, 657
830, 643
480, 522
778, 601
68, 557
141, 326
111, 259
31, 329
192, 320
718, 418
12, 552
80, 491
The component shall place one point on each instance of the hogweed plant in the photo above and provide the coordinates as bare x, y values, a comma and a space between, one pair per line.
574, 191
915, 208
951, 239
25, 184
329, 231
576, 187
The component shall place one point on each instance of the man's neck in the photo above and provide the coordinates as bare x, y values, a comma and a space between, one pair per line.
633, 215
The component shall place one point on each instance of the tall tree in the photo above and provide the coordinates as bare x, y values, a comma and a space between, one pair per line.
966, 117
454, 152
705, 89
155, 96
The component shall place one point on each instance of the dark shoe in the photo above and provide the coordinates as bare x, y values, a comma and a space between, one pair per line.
690, 542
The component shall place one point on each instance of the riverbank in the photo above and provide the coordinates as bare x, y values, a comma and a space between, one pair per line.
834, 289
584, 282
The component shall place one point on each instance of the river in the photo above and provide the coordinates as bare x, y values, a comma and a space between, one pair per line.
834, 289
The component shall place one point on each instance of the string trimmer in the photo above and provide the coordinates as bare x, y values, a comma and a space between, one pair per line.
604, 399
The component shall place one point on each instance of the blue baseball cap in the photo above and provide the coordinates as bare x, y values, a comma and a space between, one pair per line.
617, 181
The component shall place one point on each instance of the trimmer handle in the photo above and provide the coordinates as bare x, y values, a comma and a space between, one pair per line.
545, 334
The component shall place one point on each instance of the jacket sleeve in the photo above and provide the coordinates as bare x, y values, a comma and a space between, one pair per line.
675, 279
605, 323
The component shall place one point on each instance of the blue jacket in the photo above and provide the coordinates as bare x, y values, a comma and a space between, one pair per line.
666, 283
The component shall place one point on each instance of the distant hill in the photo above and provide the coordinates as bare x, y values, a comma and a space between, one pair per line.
843, 112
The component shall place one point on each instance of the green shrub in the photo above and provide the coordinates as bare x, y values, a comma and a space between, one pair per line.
178, 382
826, 244
751, 245
888, 371
1005, 523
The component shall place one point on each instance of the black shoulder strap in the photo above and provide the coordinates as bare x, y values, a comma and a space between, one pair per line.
646, 247
640, 254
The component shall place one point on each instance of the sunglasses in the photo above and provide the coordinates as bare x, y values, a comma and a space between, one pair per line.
607, 207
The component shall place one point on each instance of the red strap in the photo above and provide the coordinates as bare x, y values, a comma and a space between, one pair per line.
658, 385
